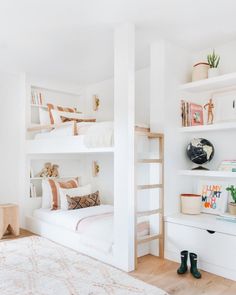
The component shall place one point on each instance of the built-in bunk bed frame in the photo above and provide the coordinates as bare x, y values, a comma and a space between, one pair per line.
124, 248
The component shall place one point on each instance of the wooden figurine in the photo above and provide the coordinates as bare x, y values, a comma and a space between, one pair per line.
210, 114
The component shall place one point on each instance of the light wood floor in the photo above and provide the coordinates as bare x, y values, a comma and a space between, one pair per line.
162, 273
23, 233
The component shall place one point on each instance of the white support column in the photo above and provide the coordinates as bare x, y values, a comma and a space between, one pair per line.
157, 120
124, 109
157, 86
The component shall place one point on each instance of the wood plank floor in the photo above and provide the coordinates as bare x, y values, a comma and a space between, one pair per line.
23, 233
162, 273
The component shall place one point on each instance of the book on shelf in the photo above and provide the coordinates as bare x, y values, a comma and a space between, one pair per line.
191, 113
228, 166
227, 217
37, 98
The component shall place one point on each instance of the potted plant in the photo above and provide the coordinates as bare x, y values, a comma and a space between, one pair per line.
232, 205
213, 61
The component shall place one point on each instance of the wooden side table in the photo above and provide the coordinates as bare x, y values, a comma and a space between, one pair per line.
9, 219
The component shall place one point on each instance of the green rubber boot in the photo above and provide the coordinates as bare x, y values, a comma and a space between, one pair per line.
183, 266
194, 271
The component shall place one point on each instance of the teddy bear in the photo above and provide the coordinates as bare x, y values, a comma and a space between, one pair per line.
49, 170
55, 172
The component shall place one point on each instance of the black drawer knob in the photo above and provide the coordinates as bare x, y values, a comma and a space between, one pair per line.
210, 231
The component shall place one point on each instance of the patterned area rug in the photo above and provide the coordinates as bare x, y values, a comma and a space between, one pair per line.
37, 266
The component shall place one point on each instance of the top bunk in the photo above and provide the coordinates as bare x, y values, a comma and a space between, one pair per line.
62, 121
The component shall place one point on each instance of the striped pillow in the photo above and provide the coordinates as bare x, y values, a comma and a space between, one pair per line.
58, 108
54, 186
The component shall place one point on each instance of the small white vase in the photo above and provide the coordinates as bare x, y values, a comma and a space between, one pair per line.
213, 72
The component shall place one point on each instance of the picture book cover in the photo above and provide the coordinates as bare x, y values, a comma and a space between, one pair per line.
196, 114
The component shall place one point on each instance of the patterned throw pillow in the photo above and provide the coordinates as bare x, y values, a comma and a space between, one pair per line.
54, 186
58, 108
84, 201
66, 119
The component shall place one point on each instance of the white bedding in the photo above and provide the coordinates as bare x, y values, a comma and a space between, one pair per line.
94, 224
95, 134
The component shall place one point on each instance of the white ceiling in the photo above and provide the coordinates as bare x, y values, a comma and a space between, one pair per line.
72, 39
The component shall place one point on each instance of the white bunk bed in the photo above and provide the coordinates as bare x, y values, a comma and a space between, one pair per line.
61, 138
88, 230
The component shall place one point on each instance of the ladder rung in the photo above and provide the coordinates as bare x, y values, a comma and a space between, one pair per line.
150, 161
148, 213
148, 238
142, 129
154, 135
149, 186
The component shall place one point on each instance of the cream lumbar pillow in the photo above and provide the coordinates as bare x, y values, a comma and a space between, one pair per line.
73, 192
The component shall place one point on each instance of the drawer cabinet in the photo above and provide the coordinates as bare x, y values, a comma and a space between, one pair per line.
216, 250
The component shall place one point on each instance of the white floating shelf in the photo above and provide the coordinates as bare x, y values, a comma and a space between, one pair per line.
60, 177
213, 127
38, 106
211, 84
207, 173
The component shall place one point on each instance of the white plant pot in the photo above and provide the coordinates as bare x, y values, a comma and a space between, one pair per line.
213, 72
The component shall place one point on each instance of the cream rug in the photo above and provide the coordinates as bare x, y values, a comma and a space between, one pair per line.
36, 266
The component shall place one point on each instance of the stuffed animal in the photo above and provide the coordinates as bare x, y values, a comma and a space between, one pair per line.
55, 172
47, 170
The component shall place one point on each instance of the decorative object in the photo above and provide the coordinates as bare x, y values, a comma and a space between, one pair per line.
196, 114
200, 71
213, 61
49, 170
95, 169
9, 220
61, 271
200, 151
96, 103
214, 196
232, 205
210, 116
225, 110
191, 203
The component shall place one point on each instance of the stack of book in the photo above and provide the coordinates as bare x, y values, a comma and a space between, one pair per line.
228, 165
32, 191
191, 113
37, 98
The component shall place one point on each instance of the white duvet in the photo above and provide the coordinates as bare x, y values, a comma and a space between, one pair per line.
95, 134
94, 224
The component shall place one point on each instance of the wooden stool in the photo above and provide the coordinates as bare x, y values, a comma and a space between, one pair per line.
9, 219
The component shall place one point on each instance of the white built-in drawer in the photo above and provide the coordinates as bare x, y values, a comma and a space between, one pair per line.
212, 247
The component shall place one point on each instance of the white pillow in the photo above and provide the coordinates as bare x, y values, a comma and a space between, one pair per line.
44, 117
73, 192
58, 114
46, 195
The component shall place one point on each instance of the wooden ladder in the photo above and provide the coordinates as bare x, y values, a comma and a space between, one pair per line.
160, 236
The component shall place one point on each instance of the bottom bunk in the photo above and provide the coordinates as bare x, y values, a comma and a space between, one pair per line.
87, 230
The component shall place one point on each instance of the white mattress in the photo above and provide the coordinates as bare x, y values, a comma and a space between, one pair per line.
92, 134
94, 225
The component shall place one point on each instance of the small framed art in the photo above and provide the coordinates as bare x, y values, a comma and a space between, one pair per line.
196, 114
214, 196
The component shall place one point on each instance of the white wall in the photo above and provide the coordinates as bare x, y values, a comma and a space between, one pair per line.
105, 92
10, 133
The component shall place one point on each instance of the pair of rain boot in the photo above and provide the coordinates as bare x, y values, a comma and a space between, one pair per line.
184, 266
